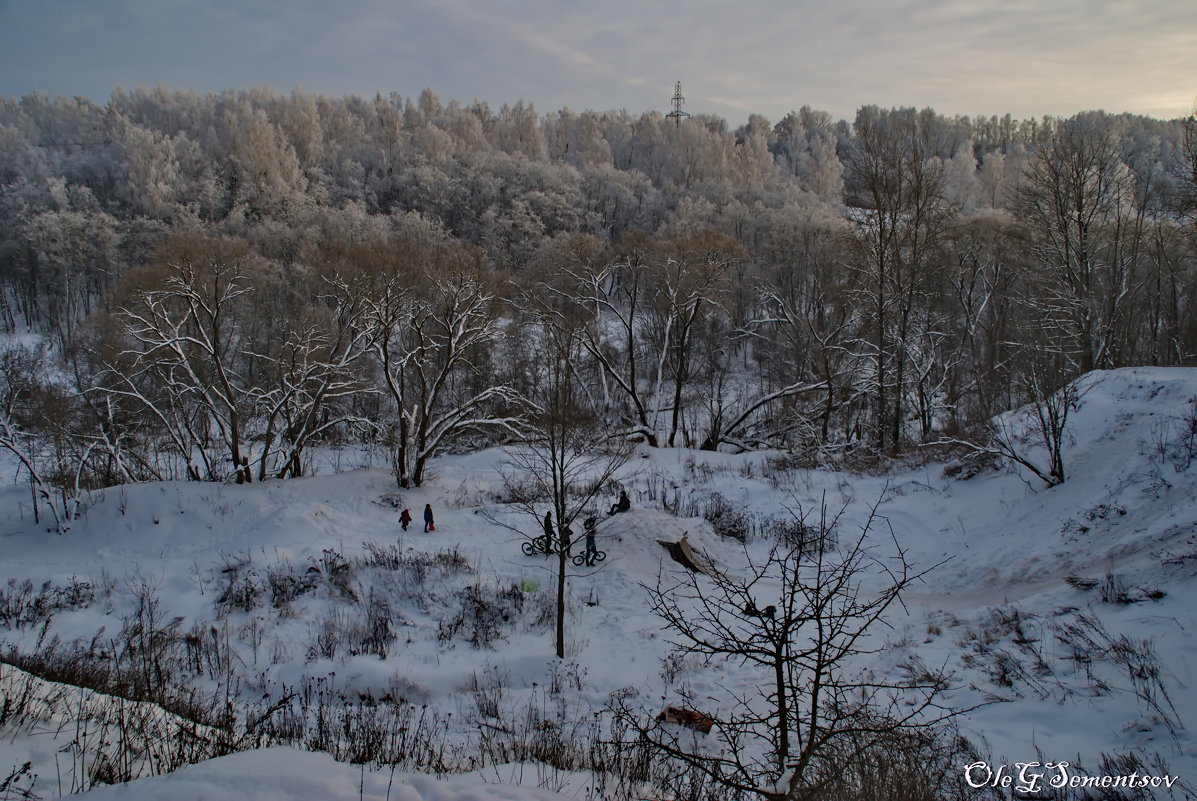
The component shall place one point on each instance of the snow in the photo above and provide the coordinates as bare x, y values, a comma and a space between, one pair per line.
1126, 517
287, 774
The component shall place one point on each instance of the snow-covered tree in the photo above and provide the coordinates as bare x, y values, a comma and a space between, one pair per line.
308, 378
901, 216
184, 364
1078, 199
962, 187
427, 336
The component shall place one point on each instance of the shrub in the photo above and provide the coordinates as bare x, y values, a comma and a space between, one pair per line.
21, 606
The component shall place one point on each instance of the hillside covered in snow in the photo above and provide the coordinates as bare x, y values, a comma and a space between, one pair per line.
210, 620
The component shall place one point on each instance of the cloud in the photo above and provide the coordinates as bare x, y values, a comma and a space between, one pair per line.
1026, 57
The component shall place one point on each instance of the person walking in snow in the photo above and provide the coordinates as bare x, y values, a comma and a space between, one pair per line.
428, 523
405, 519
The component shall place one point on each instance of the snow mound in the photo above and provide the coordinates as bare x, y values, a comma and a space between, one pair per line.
288, 774
1122, 420
1129, 410
633, 540
1128, 494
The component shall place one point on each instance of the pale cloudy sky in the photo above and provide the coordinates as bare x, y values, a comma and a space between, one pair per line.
734, 57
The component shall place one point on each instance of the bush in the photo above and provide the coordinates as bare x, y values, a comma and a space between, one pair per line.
239, 585
286, 585
482, 615
21, 606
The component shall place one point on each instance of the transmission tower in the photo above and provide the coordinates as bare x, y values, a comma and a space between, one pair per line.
677, 113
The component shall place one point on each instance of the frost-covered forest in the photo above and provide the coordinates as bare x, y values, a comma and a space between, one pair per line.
220, 282
846, 373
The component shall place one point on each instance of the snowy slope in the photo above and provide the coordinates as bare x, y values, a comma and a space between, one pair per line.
285, 774
1029, 575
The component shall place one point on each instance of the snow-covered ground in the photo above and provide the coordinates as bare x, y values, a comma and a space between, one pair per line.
1029, 575
287, 774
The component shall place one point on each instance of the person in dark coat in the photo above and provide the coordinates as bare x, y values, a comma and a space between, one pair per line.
622, 505
405, 519
428, 524
588, 528
548, 532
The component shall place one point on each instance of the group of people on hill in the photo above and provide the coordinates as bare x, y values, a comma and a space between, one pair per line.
589, 526
589, 529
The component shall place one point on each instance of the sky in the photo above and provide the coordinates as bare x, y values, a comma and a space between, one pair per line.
733, 57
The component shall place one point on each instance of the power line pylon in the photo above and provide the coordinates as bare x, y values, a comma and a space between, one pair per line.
677, 114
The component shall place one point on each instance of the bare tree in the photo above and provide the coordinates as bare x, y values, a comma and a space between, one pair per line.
567, 458
426, 343
619, 293
902, 216
1052, 398
648, 308
1035, 434
983, 312
1188, 194
801, 620
740, 410
1166, 330
36, 417
183, 364
692, 277
804, 321
1079, 201
318, 365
